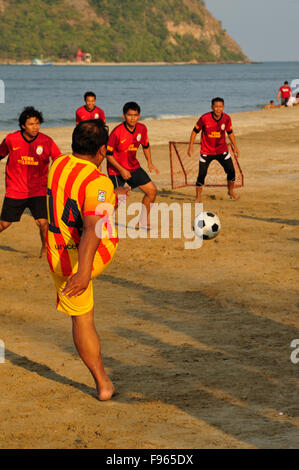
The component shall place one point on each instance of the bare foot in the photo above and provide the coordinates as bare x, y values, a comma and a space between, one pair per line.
232, 195
106, 390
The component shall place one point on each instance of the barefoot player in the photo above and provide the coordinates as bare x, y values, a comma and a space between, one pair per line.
81, 240
213, 146
89, 110
29, 153
123, 166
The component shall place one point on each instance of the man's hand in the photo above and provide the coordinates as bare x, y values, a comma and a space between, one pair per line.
122, 193
190, 151
236, 152
151, 168
125, 174
76, 285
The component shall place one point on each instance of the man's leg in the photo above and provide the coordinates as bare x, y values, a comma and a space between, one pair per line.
230, 190
204, 162
198, 193
12, 210
150, 193
43, 227
88, 346
4, 225
228, 166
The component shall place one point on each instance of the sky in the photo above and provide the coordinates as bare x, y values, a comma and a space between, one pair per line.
266, 30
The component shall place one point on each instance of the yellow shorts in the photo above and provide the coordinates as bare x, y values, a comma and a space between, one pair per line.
73, 305
83, 303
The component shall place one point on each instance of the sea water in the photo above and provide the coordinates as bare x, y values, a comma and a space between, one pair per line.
163, 91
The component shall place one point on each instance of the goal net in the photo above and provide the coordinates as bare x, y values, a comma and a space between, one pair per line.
184, 169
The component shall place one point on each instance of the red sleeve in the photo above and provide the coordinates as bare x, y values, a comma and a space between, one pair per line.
55, 151
229, 126
4, 150
102, 115
112, 143
78, 119
199, 125
145, 140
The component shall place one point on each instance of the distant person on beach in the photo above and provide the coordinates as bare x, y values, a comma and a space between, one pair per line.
82, 239
284, 93
89, 110
293, 100
29, 153
213, 127
270, 105
122, 164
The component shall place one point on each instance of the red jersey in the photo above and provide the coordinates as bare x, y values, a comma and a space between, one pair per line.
213, 140
82, 114
123, 145
285, 91
27, 165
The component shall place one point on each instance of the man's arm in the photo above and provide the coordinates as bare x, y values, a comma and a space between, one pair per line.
4, 150
88, 246
124, 173
234, 146
191, 143
148, 156
55, 151
278, 95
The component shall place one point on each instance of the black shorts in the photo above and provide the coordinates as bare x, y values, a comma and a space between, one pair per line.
13, 209
138, 178
284, 101
225, 161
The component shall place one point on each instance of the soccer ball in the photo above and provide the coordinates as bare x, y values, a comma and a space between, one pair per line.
206, 225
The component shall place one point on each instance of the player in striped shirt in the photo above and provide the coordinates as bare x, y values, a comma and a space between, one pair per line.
213, 127
82, 239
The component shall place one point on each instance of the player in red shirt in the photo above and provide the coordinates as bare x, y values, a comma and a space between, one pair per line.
122, 164
89, 110
214, 126
285, 92
29, 153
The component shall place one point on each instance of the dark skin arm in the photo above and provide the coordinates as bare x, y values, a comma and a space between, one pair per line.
88, 246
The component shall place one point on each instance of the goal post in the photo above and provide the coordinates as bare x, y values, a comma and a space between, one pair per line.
184, 169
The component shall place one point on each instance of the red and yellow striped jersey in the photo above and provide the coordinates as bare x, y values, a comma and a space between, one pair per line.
76, 188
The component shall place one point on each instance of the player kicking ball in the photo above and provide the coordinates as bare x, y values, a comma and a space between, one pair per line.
214, 126
81, 239
122, 164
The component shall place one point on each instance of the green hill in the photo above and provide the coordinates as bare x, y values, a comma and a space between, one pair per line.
114, 31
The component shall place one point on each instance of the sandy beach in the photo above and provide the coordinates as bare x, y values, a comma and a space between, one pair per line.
197, 342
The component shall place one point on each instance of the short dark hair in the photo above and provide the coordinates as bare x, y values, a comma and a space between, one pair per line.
29, 112
131, 105
89, 136
89, 93
215, 100
286, 82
